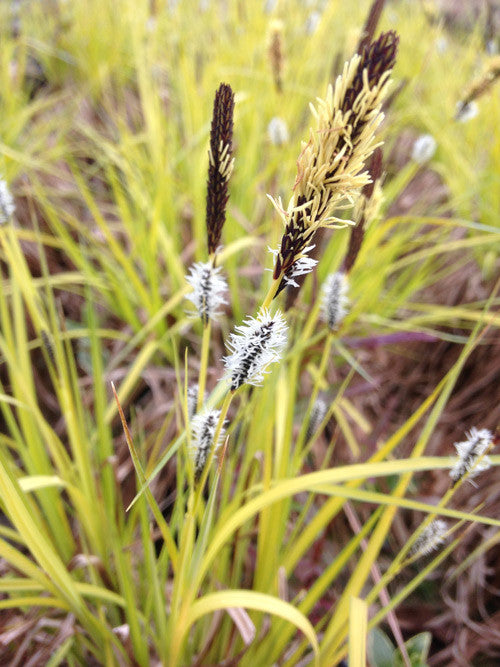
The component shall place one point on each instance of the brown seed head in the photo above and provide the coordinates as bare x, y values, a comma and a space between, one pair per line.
366, 210
220, 164
483, 83
276, 57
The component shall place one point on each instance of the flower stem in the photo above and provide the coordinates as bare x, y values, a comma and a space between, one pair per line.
320, 373
272, 292
202, 379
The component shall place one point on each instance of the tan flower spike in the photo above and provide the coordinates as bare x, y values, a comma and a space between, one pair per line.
330, 167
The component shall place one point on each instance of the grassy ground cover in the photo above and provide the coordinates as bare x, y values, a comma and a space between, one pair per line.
312, 536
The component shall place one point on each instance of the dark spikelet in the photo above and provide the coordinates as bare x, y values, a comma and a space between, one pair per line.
358, 231
377, 58
330, 166
48, 345
292, 291
371, 23
294, 240
276, 56
220, 164
375, 167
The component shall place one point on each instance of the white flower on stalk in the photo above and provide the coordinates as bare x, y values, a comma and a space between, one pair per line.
203, 428
466, 111
431, 538
471, 452
335, 300
301, 267
423, 149
318, 413
208, 292
192, 399
270, 6
277, 131
258, 343
441, 44
492, 47
7, 206
312, 22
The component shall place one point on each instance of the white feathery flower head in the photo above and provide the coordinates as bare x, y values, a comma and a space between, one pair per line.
301, 267
492, 47
258, 343
312, 22
7, 206
466, 112
270, 6
203, 428
318, 413
277, 131
431, 538
423, 149
335, 301
469, 452
441, 44
192, 399
208, 292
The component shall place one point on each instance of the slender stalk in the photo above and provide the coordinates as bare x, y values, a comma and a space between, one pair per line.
272, 292
320, 374
202, 379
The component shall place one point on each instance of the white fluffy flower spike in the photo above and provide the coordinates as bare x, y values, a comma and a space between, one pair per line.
431, 538
469, 452
302, 266
7, 206
466, 111
335, 299
318, 413
208, 292
258, 342
192, 399
277, 131
203, 428
423, 149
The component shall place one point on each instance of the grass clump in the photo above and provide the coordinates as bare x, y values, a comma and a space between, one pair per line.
262, 475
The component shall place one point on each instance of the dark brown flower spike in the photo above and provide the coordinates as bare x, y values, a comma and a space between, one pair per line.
371, 23
276, 54
366, 206
220, 164
479, 86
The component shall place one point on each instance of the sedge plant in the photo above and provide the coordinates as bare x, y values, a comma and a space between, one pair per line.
212, 535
